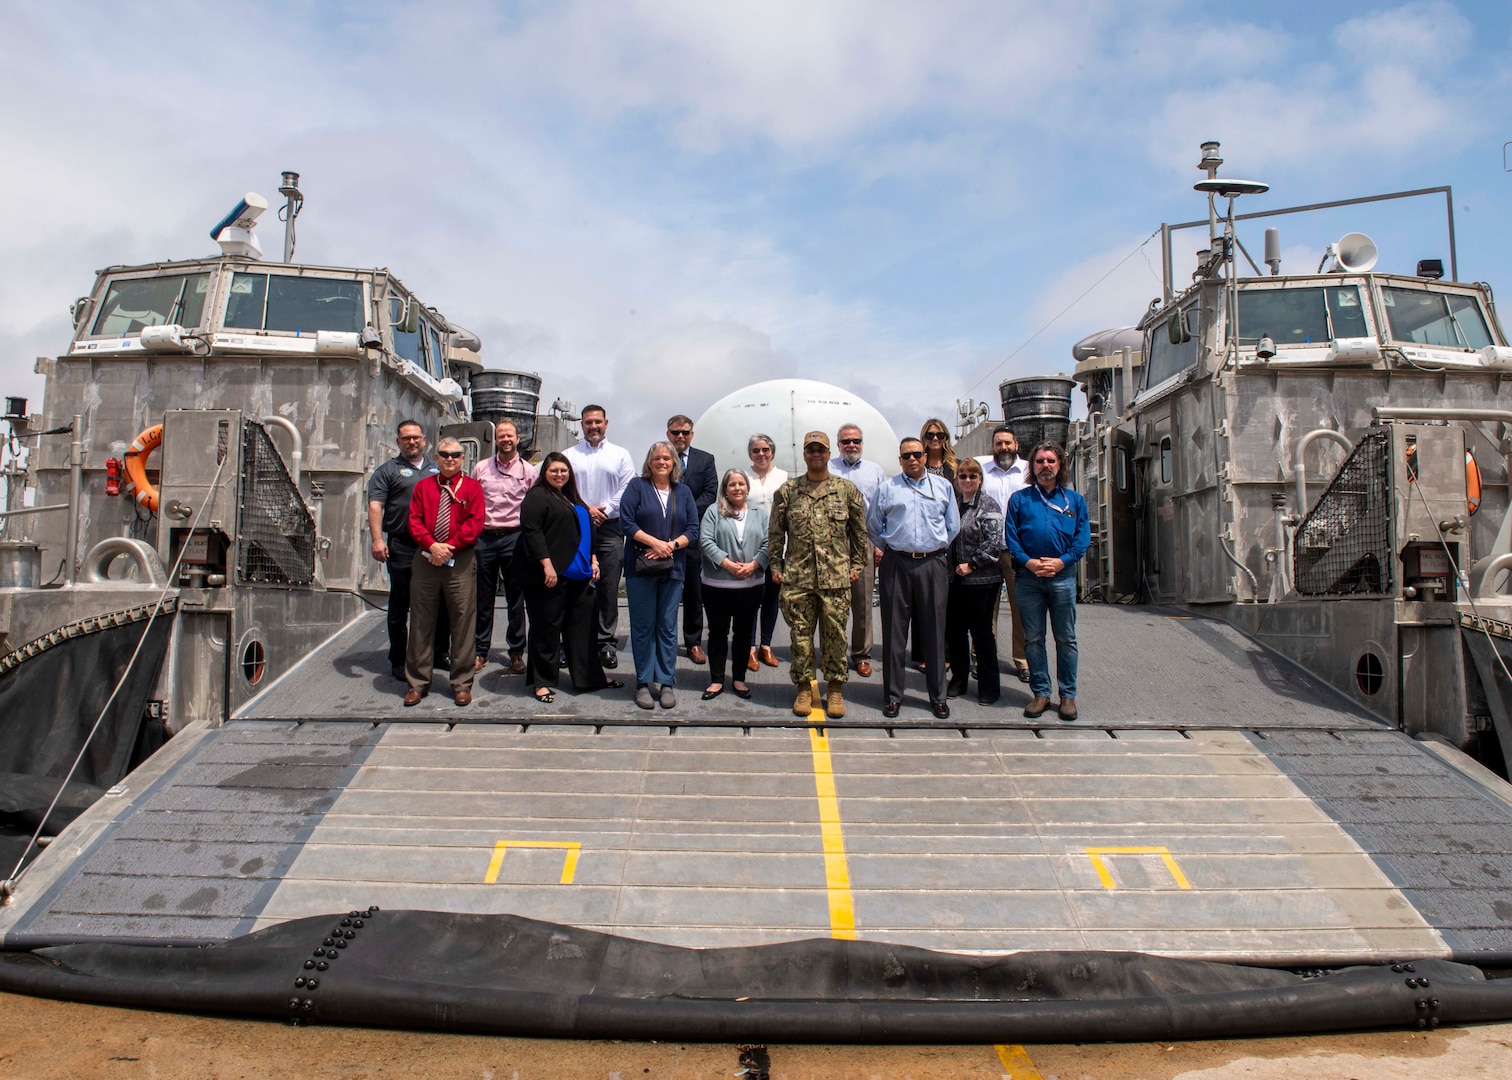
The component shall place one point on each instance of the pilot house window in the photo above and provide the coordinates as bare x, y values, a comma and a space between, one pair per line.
1449, 320
134, 303
1301, 316
293, 304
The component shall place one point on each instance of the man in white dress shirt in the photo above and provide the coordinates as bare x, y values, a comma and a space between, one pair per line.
1002, 474
868, 477
602, 470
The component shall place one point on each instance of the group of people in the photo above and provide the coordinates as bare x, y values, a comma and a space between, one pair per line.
938, 541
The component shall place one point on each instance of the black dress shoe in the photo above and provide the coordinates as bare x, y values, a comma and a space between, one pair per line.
941, 710
890, 708
987, 700
608, 657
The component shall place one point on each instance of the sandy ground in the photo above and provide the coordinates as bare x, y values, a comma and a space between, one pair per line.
42, 1039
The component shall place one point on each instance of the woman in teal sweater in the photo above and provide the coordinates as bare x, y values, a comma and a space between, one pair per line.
733, 540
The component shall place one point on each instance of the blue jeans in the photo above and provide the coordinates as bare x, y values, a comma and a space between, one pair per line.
653, 603
1057, 595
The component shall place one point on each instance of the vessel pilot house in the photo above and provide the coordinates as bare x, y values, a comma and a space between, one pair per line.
1321, 459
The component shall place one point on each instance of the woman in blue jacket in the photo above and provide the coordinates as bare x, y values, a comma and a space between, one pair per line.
660, 523
733, 539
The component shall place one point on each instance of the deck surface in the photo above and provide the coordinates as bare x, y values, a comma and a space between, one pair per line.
1213, 802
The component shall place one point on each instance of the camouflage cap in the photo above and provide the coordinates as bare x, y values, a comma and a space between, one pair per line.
816, 437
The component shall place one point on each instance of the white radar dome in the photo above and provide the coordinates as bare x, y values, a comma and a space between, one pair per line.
785, 409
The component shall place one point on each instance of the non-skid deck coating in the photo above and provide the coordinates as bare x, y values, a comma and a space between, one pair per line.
1140, 667
1318, 844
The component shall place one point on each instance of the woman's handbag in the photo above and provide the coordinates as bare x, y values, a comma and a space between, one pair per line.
645, 565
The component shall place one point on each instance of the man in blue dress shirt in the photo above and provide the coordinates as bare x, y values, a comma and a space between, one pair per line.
912, 521
1047, 532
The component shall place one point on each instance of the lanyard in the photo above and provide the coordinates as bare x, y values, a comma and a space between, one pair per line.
1058, 509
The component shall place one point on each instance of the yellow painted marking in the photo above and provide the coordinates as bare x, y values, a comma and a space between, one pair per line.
569, 864
842, 908
1096, 854
1016, 1063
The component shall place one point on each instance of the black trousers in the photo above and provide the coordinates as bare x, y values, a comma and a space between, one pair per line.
730, 608
562, 619
971, 610
914, 594
609, 546
401, 557
496, 558
693, 606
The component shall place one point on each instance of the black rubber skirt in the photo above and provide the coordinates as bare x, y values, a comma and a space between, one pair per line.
501, 974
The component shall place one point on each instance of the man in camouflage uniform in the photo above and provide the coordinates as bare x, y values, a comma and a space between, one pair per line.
818, 545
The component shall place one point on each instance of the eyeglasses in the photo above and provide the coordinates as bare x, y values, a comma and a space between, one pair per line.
934, 436
680, 432
412, 438
761, 449
910, 455
850, 442
968, 476
448, 454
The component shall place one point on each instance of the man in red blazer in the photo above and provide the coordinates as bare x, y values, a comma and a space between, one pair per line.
446, 519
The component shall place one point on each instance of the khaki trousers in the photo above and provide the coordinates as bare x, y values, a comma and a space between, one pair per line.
861, 610
428, 584
1019, 662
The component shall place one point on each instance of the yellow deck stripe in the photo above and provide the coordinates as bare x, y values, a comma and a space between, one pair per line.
842, 908
1016, 1063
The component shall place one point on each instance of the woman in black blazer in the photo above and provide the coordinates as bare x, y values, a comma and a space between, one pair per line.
559, 575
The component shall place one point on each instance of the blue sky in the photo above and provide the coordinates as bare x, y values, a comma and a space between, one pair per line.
653, 202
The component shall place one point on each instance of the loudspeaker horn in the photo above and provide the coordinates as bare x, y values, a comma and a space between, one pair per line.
1355, 253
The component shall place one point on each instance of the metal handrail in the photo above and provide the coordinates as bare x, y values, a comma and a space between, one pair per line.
1299, 466
1482, 577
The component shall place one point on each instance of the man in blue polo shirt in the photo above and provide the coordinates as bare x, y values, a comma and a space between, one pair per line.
1047, 532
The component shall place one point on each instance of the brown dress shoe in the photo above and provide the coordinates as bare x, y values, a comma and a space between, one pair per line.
463, 697
478, 663
834, 700
697, 655
803, 704
863, 668
517, 664
413, 698
768, 657
1066, 710
1036, 707
753, 664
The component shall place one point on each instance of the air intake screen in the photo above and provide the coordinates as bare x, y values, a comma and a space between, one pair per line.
1343, 546
276, 540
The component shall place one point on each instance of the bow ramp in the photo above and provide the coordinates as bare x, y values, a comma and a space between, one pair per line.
1215, 805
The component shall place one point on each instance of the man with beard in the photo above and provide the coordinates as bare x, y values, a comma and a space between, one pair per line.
868, 477
1047, 532
505, 477
388, 493
1004, 473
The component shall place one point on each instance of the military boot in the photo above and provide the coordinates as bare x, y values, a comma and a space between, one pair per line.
803, 704
834, 701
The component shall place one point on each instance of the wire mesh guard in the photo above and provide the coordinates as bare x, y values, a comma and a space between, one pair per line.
1343, 546
276, 540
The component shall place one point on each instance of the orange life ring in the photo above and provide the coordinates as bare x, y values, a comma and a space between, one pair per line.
1472, 482
136, 467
